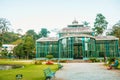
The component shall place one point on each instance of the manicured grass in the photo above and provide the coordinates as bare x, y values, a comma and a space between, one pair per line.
29, 72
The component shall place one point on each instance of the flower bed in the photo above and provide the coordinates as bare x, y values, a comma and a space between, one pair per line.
49, 62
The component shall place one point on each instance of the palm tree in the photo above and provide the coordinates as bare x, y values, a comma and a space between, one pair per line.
85, 23
44, 32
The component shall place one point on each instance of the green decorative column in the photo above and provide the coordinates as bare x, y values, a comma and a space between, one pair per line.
36, 50
83, 46
117, 49
107, 49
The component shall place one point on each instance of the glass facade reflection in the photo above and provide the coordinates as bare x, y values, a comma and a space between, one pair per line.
77, 42
76, 47
46, 47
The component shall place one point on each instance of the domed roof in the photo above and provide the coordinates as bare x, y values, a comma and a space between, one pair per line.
76, 30
77, 35
75, 22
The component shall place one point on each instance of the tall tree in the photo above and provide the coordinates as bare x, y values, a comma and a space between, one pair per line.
32, 33
28, 45
100, 24
39, 35
18, 51
116, 30
25, 48
4, 27
44, 32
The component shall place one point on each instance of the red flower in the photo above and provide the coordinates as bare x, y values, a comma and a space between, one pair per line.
49, 62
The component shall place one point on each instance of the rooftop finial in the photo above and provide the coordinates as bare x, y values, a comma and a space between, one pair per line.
75, 21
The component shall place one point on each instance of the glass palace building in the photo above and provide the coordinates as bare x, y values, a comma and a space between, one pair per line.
77, 42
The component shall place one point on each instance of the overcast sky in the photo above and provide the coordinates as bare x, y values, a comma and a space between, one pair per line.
35, 14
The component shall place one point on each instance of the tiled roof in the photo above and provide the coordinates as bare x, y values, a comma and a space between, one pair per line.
77, 35
51, 39
75, 30
43, 39
106, 38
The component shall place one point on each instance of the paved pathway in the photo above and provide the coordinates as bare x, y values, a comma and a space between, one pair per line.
86, 71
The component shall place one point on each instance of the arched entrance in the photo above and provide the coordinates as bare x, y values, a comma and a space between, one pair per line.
78, 51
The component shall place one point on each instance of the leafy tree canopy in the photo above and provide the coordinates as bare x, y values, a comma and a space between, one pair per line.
25, 48
100, 24
4, 25
28, 45
8, 37
116, 30
44, 32
32, 33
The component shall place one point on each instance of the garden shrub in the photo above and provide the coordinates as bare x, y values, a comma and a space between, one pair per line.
94, 60
63, 61
49, 56
55, 60
38, 62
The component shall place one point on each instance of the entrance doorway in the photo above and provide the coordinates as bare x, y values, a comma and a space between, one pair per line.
78, 51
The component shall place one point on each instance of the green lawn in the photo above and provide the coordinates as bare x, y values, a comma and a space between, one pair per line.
29, 72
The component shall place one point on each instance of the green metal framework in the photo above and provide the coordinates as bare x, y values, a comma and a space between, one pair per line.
107, 48
44, 48
76, 47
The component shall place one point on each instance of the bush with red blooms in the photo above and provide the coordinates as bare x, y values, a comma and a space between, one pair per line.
49, 63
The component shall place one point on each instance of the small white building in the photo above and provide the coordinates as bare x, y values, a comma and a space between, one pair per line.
8, 47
